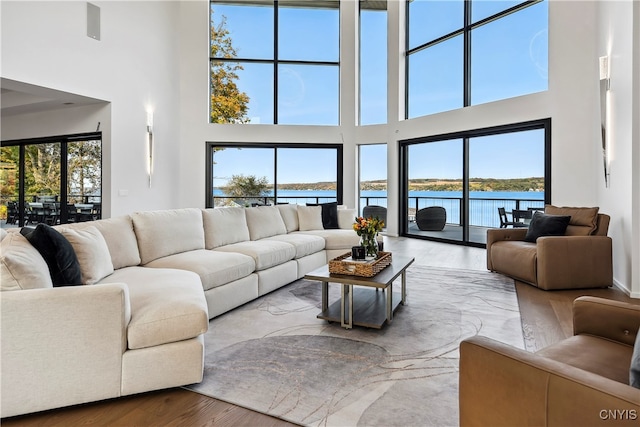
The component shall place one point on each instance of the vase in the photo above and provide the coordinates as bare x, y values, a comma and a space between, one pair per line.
370, 244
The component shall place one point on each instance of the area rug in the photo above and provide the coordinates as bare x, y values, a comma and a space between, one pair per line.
274, 356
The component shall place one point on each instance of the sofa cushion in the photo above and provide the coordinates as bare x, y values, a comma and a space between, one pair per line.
57, 253
516, 259
346, 218
289, 213
329, 214
167, 305
223, 226
584, 221
264, 221
310, 218
266, 253
168, 232
305, 244
214, 268
22, 265
588, 352
546, 225
336, 239
92, 252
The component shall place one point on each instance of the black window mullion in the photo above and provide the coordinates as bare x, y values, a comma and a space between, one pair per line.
21, 184
466, 96
275, 62
64, 154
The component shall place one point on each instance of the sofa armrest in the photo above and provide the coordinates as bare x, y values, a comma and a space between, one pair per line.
62, 346
501, 234
574, 262
504, 386
614, 320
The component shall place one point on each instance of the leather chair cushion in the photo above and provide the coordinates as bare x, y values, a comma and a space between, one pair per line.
584, 221
516, 259
600, 356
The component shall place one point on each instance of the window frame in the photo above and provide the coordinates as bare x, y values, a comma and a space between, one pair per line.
276, 61
466, 135
210, 145
465, 31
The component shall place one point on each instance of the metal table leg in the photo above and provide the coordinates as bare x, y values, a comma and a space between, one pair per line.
389, 298
325, 296
347, 290
403, 301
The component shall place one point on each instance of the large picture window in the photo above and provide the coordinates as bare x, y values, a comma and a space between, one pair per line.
274, 62
456, 186
469, 52
52, 180
268, 174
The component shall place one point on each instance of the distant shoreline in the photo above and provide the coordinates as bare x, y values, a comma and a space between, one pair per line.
434, 184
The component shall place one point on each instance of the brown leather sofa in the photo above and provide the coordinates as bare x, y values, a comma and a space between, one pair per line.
580, 381
582, 258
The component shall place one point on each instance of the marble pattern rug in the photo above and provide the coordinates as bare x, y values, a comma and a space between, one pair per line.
274, 356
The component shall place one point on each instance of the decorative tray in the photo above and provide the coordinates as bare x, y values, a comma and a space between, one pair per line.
364, 268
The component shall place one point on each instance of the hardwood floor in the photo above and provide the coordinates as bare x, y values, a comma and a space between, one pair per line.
546, 319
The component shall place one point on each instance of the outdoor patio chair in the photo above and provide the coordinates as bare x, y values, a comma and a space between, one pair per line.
373, 211
504, 221
431, 218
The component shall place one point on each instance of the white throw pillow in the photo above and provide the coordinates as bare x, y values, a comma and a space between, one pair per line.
92, 252
310, 218
264, 221
22, 265
289, 214
346, 218
224, 226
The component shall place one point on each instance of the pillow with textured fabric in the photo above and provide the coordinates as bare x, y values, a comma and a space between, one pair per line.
346, 218
584, 221
329, 214
92, 252
57, 253
22, 265
546, 225
634, 372
310, 218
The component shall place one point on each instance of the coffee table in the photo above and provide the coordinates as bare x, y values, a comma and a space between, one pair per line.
365, 305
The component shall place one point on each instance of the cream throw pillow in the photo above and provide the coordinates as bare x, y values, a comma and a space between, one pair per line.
346, 218
92, 252
310, 218
22, 265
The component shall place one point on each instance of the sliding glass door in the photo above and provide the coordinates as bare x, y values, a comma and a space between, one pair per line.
454, 186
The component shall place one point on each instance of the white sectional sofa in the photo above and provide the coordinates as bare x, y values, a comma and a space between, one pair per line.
154, 281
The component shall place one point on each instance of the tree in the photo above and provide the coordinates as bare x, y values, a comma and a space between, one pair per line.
228, 103
244, 188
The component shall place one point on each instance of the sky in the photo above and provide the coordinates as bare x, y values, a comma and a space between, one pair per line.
509, 58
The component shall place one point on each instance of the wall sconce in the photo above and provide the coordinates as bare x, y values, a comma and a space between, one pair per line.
605, 85
150, 145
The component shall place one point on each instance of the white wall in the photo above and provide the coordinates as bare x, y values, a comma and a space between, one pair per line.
155, 54
133, 67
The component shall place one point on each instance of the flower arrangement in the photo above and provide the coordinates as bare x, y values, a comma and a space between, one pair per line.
367, 229
367, 225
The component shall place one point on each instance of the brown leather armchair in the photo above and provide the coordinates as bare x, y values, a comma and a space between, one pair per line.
582, 258
580, 381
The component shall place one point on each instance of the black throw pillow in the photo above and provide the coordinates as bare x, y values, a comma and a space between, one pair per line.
634, 372
546, 225
57, 253
329, 214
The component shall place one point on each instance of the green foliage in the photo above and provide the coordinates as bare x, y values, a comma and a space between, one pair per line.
228, 103
243, 189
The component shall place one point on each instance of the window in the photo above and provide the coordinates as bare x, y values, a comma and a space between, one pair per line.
469, 175
373, 175
469, 52
52, 180
373, 62
274, 62
267, 174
